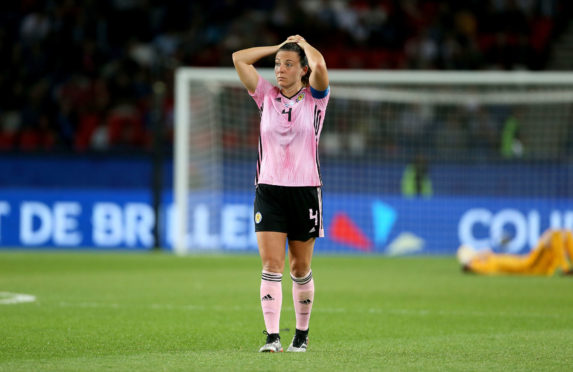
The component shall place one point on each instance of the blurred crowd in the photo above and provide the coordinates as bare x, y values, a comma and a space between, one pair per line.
78, 75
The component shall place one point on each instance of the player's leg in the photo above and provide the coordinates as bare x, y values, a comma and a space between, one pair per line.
271, 228
544, 259
272, 252
300, 256
305, 225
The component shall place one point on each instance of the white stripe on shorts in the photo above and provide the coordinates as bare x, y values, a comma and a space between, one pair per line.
321, 230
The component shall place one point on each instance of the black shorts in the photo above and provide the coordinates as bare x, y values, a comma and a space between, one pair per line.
296, 211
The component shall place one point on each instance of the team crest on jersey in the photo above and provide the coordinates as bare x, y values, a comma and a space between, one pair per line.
258, 217
291, 102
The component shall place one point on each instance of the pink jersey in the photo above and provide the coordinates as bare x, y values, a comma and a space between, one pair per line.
289, 134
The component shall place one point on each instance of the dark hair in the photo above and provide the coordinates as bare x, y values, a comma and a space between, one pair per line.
294, 47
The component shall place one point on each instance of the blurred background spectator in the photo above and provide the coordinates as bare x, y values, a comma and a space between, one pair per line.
77, 75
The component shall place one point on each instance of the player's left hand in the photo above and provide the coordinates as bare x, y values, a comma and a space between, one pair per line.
296, 39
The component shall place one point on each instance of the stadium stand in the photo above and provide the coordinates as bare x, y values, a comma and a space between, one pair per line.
75, 78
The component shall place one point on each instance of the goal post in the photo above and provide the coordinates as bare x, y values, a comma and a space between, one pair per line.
493, 147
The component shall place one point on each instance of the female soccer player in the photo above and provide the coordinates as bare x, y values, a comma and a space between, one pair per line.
288, 200
554, 251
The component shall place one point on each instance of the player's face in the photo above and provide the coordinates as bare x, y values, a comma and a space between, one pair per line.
288, 70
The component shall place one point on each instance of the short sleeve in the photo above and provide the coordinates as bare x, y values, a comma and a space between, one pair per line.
263, 87
321, 97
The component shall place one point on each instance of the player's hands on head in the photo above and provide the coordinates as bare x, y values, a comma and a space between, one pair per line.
295, 39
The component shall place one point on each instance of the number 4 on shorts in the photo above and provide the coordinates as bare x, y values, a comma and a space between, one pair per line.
313, 216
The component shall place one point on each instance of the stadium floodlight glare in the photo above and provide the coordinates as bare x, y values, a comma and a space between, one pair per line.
373, 118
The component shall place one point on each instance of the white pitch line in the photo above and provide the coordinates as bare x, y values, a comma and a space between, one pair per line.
317, 309
9, 298
424, 313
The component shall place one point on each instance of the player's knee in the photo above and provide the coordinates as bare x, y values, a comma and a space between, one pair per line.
299, 269
273, 266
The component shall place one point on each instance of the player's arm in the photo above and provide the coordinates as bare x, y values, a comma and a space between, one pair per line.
244, 60
319, 74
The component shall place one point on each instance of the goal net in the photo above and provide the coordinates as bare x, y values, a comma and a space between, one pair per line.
412, 162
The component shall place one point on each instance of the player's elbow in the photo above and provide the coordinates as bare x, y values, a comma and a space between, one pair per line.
235, 58
238, 58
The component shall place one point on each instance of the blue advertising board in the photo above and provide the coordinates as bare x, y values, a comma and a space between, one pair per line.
354, 223
75, 219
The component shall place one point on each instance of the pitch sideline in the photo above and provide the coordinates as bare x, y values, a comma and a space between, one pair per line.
9, 298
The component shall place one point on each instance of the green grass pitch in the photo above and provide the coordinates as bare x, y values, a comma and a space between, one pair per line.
159, 312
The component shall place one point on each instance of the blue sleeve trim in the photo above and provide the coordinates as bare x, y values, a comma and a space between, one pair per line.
318, 94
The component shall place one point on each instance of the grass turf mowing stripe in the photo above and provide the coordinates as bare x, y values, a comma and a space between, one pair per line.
97, 311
